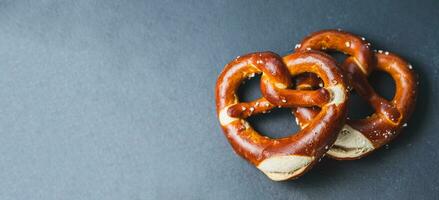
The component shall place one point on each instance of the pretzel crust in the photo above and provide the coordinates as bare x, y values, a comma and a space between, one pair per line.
288, 157
361, 137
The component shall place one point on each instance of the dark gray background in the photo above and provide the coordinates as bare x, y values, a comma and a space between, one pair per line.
115, 100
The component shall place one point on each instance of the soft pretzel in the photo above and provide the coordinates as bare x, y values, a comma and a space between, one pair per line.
360, 137
289, 157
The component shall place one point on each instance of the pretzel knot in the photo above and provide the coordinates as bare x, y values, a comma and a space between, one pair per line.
360, 137
289, 157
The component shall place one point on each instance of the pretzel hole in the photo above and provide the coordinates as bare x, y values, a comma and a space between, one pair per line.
358, 108
278, 123
383, 84
340, 57
249, 89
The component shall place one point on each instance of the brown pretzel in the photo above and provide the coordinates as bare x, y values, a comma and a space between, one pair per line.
289, 157
360, 137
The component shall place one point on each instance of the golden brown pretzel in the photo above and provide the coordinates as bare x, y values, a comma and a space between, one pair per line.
289, 157
360, 137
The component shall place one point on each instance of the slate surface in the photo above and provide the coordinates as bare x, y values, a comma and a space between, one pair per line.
115, 100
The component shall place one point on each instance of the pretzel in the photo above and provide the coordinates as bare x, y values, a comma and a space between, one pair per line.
288, 157
361, 137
